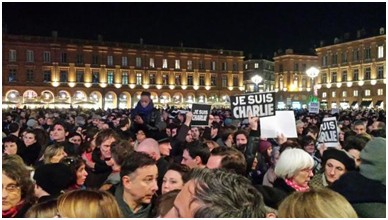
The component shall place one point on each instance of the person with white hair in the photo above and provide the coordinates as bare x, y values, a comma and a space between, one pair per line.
294, 170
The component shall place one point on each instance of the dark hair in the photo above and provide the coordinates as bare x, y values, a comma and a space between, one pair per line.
182, 169
232, 159
378, 133
105, 134
120, 150
64, 124
13, 127
355, 142
165, 202
197, 148
145, 93
74, 163
135, 161
289, 144
243, 132
10, 138
306, 140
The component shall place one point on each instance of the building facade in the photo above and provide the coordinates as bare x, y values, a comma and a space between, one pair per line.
259, 67
59, 72
292, 84
353, 73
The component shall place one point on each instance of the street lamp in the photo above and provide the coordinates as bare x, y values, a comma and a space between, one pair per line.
312, 72
256, 79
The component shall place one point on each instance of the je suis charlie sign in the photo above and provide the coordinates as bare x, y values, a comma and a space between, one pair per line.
259, 104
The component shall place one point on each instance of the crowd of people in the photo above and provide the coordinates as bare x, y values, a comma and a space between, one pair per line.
149, 162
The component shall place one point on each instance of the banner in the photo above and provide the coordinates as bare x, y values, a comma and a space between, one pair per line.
200, 115
328, 133
314, 107
259, 104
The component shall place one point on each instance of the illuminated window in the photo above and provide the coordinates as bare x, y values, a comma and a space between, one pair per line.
165, 64
109, 61
367, 92
344, 93
111, 77
138, 62
12, 55
124, 61
380, 92
324, 94
177, 64
333, 94
324, 78
165, 79
355, 93
380, 52
189, 65
213, 66
124, 78
256, 65
152, 78
139, 79
152, 63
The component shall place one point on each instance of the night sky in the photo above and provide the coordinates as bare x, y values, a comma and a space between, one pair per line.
255, 28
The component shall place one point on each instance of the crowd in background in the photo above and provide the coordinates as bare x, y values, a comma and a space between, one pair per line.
149, 162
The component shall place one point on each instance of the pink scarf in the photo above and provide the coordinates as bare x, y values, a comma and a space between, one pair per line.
297, 187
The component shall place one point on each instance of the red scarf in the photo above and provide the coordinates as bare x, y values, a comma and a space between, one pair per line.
297, 187
13, 211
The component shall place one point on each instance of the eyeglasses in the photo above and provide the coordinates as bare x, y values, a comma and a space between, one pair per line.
11, 188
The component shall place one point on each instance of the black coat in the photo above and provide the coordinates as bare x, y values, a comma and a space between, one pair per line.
31, 154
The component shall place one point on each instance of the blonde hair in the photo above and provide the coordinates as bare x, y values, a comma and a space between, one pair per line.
88, 204
51, 151
47, 209
316, 203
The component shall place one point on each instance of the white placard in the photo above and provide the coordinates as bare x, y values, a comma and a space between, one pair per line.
282, 122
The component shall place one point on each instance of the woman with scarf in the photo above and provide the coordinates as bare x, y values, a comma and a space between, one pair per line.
145, 116
294, 170
18, 190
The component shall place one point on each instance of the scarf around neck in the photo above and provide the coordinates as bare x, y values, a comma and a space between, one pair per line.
297, 187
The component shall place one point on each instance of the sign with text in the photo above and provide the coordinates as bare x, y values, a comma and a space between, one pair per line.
259, 104
328, 133
314, 107
200, 115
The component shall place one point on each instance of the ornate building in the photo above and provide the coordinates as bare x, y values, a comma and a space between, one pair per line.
353, 73
59, 72
292, 84
260, 67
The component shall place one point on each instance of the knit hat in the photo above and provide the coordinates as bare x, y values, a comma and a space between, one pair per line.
340, 155
373, 160
263, 146
32, 123
162, 137
53, 177
228, 121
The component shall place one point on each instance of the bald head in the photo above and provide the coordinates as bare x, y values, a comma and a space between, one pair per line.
149, 146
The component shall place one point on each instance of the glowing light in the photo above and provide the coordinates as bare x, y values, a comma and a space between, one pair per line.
55, 84
132, 86
103, 85
373, 82
195, 87
360, 83
184, 87
12, 95
230, 88
276, 90
284, 89
242, 88
312, 72
319, 86
339, 85
88, 85
207, 87
172, 87
328, 85
159, 86
71, 84
118, 85
146, 86
349, 84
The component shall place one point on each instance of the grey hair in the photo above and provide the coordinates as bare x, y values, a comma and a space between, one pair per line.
222, 194
291, 161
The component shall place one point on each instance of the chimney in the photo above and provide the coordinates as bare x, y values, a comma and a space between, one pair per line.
321, 43
99, 38
141, 41
181, 44
347, 36
358, 33
54, 34
289, 51
381, 31
336, 40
